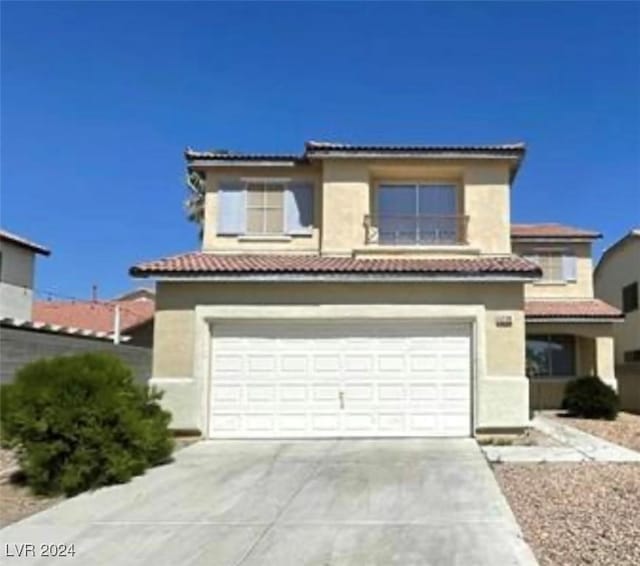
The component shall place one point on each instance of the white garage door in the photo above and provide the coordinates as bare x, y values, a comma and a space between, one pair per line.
308, 379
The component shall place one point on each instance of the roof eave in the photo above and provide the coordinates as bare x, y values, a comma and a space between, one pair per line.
573, 319
189, 276
583, 238
417, 154
28, 246
212, 162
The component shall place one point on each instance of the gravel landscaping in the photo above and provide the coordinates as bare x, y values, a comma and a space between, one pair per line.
625, 430
576, 514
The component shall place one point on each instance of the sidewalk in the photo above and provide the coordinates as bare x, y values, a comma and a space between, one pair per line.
577, 446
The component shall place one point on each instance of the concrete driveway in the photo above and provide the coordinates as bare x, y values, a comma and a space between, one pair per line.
344, 502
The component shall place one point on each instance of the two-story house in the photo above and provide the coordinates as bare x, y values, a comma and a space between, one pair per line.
367, 291
568, 332
617, 281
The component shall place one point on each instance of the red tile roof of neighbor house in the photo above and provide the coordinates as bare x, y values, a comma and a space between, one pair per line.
524, 231
23, 242
588, 308
202, 263
93, 315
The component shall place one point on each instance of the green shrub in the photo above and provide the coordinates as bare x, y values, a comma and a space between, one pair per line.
590, 398
80, 422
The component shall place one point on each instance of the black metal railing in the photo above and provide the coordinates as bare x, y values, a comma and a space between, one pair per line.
415, 230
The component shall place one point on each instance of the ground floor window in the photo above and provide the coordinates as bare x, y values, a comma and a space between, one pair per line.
551, 355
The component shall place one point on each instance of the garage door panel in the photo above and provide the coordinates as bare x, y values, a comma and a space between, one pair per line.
392, 422
392, 392
326, 422
326, 363
294, 379
261, 393
296, 422
290, 392
227, 393
292, 363
226, 423
230, 363
325, 392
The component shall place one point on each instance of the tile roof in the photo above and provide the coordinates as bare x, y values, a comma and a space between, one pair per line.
202, 263
315, 148
191, 155
523, 231
20, 241
93, 315
588, 308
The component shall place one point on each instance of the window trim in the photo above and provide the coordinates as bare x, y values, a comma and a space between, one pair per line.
458, 211
243, 183
264, 208
434, 181
561, 252
548, 338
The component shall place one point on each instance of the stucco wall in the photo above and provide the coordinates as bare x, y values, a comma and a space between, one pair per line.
299, 243
503, 397
628, 376
582, 288
594, 356
346, 193
16, 281
487, 203
619, 268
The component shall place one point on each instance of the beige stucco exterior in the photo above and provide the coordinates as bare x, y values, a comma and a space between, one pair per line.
502, 389
594, 357
345, 199
620, 266
213, 242
582, 288
345, 193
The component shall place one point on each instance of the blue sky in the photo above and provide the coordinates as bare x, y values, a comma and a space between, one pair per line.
99, 101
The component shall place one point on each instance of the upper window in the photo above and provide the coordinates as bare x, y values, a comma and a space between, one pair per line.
630, 297
557, 267
550, 355
265, 208
414, 214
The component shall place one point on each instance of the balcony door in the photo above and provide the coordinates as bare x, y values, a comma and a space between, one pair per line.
418, 214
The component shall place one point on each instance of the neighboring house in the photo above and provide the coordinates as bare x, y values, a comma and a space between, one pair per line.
17, 270
617, 277
136, 315
569, 333
366, 291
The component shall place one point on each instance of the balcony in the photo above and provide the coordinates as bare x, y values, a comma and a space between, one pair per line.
416, 230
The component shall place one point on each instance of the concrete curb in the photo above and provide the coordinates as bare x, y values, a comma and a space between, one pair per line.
577, 446
593, 447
